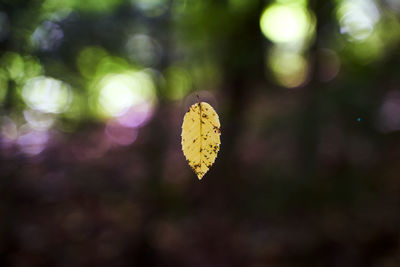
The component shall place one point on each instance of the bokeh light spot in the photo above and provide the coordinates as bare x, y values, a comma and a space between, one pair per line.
48, 36
119, 134
286, 23
137, 115
120, 92
32, 142
390, 112
46, 94
111, 64
19, 68
116, 95
94, 6
9, 129
369, 50
88, 59
329, 64
178, 82
357, 18
395, 4
38, 120
32, 67
143, 50
151, 8
14, 64
3, 85
240, 5
290, 68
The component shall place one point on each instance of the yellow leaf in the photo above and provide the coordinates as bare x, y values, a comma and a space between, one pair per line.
201, 137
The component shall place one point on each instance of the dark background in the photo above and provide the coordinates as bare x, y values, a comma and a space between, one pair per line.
309, 168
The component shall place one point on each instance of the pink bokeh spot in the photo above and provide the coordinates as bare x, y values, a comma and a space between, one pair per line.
136, 116
390, 110
119, 134
33, 142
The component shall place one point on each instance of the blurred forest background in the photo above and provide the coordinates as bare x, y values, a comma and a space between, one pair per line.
92, 97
